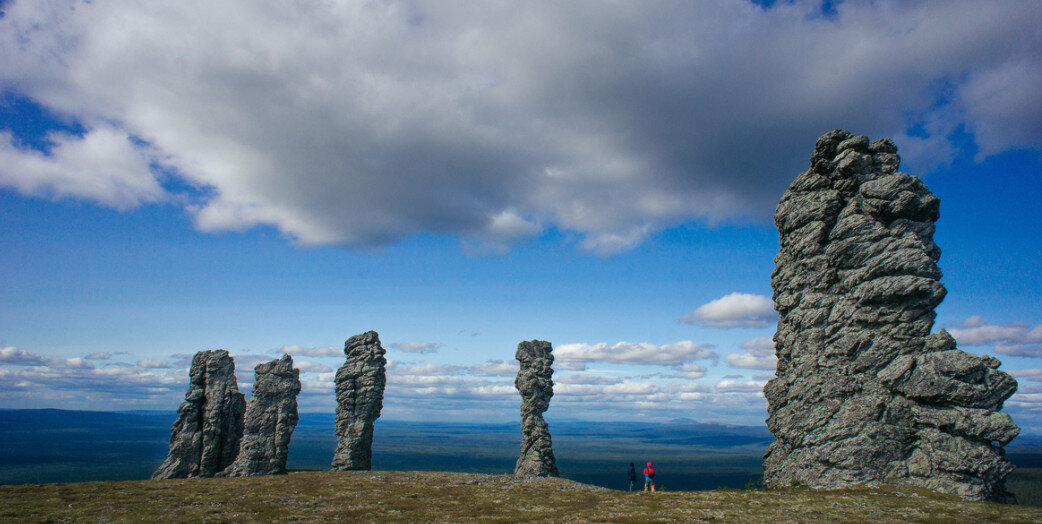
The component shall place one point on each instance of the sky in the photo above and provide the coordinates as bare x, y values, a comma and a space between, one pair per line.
275, 177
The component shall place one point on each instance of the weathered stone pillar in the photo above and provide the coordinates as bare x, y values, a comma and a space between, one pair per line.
271, 415
205, 438
359, 396
534, 382
864, 392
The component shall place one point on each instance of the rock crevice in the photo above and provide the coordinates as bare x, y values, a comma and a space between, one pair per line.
864, 392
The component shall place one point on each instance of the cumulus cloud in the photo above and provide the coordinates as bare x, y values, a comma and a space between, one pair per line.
19, 357
415, 347
325, 351
150, 363
1033, 375
104, 165
689, 371
99, 356
759, 354
1017, 339
494, 368
637, 353
310, 366
363, 124
587, 378
77, 383
734, 310
738, 386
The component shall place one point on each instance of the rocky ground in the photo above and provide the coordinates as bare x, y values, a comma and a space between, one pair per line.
452, 497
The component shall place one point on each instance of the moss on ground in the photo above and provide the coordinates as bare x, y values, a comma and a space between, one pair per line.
452, 497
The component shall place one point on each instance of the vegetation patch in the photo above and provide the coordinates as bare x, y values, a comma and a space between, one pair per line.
439, 496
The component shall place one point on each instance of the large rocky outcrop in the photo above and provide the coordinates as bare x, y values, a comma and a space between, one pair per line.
359, 399
864, 393
205, 438
534, 382
271, 416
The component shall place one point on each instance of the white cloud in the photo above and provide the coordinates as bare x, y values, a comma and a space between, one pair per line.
586, 378
759, 354
99, 356
149, 363
734, 310
415, 347
245, 362
104, 165
638, 353
325, 351
19, 357
1034, 374
738, 386
689, 371
310, 366
424, 370
1017, 339
494, 368
365, 123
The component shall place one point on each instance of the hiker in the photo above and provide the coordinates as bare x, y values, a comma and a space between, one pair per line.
649, 477
633, 477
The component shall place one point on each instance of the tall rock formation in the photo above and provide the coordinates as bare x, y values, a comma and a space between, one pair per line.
864, 393
271, 415
359, 399
534, 382
205, 438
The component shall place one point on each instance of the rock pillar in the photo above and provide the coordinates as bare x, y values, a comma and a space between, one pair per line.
271, 416
534, 382
359, 397
205, 438
864, 392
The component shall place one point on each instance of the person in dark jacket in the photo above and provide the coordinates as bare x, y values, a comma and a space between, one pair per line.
649, 477
633, 477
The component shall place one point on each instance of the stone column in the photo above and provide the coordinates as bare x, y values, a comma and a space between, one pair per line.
359, 396
534, 382
864, 393
271, 416
205, 438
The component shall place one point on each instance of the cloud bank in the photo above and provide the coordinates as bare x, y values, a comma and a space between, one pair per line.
1016, 339
734, 310
362, 124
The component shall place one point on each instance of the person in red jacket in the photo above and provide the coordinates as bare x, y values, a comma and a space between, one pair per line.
649, 477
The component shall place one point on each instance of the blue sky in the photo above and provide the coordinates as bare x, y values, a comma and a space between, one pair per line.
461, 178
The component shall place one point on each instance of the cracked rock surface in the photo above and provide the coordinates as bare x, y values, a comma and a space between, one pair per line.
359, 399
271, 416
205, 438
864, 393
534, 382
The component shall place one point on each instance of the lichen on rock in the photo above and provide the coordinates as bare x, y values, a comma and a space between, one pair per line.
271, 416
205, 438
864, 392
359, 397
534, 382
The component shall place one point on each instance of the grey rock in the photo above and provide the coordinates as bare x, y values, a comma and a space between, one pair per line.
271, 416
534, 382
864, 393
205, 438
359, 397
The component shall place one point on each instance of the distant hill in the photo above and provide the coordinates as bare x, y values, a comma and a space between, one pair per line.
453, 497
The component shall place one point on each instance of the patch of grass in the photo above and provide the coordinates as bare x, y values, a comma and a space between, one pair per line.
438, 496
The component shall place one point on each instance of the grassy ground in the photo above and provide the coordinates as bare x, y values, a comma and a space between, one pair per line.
453, 497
